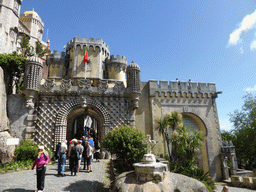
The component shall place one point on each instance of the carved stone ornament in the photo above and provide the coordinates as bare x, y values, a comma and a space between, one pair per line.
84, 83
49, 84
30, 103
66, 84
119, 86
103, 86
84, 101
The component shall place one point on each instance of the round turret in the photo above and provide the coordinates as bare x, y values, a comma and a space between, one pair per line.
133, 83
116, 67
33, 73
133, 77
133, 66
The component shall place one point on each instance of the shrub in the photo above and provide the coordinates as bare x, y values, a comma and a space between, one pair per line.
26, 150
126, 143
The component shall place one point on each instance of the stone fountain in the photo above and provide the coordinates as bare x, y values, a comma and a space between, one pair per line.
152, 176
149, 169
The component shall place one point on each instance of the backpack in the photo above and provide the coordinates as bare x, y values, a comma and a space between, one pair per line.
73, 153
57, 152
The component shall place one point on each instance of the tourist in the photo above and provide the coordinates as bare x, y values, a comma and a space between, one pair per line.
91, 144
73, 158
84, 143
62, 158
80, 149
96, 149
42, 159
225, 189
89, 157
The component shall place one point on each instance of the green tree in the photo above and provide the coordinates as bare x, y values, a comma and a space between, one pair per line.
126, 143
186, 147
168, 124
243, 136
26, 49
13, 66
40, 51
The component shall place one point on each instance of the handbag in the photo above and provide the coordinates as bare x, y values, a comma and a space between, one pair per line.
40, 168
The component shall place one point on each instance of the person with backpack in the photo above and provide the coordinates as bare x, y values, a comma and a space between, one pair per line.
42, 159
74, 153
62, 158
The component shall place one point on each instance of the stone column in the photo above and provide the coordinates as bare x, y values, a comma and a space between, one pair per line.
33, 76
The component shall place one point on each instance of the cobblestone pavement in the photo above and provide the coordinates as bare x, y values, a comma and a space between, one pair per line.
232, 189
96, 181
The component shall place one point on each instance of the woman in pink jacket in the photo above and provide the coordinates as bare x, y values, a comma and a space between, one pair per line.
42, 159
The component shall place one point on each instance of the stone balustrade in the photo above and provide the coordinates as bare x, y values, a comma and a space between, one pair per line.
248, 182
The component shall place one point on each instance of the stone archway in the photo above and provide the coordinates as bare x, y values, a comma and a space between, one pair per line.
77, 105
193, 122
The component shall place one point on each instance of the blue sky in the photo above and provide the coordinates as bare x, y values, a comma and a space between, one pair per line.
201, 40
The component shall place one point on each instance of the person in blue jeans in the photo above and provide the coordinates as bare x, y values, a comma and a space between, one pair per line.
62, 158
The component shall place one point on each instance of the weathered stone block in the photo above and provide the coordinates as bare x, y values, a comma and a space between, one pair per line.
236, 181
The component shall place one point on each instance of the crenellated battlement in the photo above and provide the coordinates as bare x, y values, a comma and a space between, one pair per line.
89, 42
118, 59
205, 89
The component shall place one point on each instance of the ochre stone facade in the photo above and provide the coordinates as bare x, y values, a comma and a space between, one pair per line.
110, 92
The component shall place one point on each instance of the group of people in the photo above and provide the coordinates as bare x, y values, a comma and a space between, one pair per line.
87, 149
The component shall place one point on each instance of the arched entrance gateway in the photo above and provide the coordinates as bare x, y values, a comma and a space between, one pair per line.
74, 115
193, 122
80, 118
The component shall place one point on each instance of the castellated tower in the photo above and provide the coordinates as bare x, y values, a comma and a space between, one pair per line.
34, 24
98, 51
116, 68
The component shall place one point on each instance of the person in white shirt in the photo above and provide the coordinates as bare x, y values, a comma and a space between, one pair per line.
62, 158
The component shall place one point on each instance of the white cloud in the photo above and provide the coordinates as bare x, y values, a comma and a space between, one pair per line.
253, 45
250, 89
247, 23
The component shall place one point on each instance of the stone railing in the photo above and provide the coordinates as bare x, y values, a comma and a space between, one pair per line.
248, 182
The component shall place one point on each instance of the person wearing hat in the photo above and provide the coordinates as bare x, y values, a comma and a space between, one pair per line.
42, 159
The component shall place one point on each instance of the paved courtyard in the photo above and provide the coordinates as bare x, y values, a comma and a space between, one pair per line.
96, 181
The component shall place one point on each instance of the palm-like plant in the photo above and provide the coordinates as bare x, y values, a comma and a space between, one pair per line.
169, 123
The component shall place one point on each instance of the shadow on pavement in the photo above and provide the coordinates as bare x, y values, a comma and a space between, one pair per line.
17, 190
86, 186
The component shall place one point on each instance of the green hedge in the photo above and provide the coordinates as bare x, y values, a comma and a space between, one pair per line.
26, 150
126, 143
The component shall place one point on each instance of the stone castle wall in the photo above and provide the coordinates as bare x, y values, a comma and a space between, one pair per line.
196, 100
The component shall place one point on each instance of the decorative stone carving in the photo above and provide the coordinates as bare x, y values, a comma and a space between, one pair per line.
49, 84
30, 103
66, 84
85, 83
149, 142
103, 86
119, 87
84, 101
